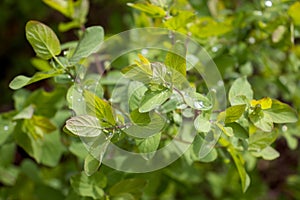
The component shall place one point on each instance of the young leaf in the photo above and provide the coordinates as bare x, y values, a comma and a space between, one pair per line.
21, 81
99, 108
89, 44
153, 99
177, 60
281, 113
43, 40
61, 6
265, 103
84, 126
240, 91
232, 113
202, 124
150, 9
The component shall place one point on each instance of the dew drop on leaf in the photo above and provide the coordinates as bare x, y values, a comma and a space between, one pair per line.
284, 128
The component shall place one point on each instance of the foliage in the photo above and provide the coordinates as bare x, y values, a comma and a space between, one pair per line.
255, 48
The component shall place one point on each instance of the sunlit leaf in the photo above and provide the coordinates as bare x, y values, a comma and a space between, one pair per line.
153, 99
43, 40
99, 108
21, 81
150, 9
240, 92
89, 43
84, 126
281, 113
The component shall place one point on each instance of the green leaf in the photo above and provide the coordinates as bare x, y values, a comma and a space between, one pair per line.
40, 64
153, 99
20, 97
281, 113
196, 100
141, 73
195, 149
89, 186
99, 108
134, 186
26, 113
226, 130
46, 103
260, 140
155, 126
202, 124
6, 128
141, 119
24, 138
43, 124
238, 130
150, 9
177, 60
21, 81
239, 163
78, 149
62, 6
179, 21
294, 12
91, 165
37, 126
268, 153
89, 44
136, 91
43, 40
84, 126
239, 91
232, 113
148, 146
52, 149
262, 121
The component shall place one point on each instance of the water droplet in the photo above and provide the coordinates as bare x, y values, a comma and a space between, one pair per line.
220, 83
5, 128
284, 128
69, 76
78, 99
268, 3
144, 51
215, 49
71, 97
198, 104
